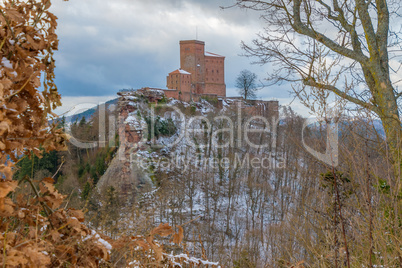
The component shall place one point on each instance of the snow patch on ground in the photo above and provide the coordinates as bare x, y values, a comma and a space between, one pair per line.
95, 235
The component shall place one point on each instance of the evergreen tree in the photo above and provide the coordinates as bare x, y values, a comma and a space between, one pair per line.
86, 191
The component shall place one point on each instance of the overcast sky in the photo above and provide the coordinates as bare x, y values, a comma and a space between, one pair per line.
110, 45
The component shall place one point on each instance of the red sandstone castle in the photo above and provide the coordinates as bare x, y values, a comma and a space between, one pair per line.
201, 73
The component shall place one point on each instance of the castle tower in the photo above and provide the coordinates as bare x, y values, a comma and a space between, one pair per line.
192, 60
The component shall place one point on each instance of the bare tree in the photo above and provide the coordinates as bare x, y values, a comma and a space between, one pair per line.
246, 83
345, 47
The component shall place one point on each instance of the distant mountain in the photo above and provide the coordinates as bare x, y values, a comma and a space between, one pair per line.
357, 124
90, 112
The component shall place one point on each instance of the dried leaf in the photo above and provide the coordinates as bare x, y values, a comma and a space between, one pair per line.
4, 127
14, 15
142, 244
21, 214
157, 250
6, 187
55, 235
15, 258
77, 214
6, 207
178, 237
164, 229
37, 257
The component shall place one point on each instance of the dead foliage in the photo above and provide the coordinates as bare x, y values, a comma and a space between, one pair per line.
38, 232
146, 251
35, 230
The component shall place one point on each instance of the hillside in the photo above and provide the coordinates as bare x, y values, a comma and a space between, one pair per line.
237, 199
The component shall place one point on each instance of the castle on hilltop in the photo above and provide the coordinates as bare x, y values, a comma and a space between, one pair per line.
201, 73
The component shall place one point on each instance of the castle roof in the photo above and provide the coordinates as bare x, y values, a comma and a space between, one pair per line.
209, 54
179, 71
192, 42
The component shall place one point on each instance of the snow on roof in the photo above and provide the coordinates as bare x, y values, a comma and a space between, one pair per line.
209, 54
180, 71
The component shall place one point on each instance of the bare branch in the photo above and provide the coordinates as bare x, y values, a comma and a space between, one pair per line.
301, 28
312, 83
362, 8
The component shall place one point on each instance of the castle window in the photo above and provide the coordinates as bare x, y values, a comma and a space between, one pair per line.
212, 71
217, 71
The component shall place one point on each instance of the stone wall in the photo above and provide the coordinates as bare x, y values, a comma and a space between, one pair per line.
215, 75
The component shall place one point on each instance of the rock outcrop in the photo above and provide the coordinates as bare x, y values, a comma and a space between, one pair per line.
122, 173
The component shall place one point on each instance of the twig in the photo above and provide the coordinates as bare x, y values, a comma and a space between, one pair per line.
8, 23
23, 86
68, 201
46, 208
338, 200
335, 227
369, 207
3, 42
191, 221
4, 247
57, 171
21, 244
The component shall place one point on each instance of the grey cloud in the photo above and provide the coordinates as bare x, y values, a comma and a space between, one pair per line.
105, 45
